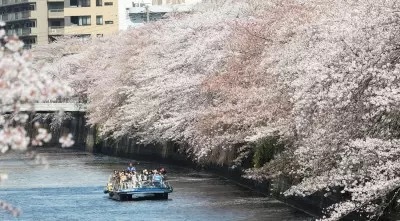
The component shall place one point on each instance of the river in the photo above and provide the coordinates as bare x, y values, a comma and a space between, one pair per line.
71, 187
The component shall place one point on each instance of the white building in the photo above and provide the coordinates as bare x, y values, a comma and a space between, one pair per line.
133, 13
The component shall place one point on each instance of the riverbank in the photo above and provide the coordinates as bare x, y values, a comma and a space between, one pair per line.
172, 153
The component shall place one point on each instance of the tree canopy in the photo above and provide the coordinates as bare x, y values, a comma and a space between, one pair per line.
322, 75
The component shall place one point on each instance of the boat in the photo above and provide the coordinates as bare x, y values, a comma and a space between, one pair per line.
132, 186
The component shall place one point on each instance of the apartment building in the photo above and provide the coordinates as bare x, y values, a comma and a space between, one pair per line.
41, 21
135, 13
172, 2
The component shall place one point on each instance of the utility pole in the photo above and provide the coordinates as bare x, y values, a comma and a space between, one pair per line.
147, 13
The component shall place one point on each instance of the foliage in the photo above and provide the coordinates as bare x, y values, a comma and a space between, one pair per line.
20, 88
265, 150
343, 71
322, 74
55, 119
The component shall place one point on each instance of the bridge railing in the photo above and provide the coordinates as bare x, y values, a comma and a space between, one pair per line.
67, 100
54, 107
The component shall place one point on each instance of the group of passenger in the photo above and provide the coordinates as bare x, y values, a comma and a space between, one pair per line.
160, 170
131, 178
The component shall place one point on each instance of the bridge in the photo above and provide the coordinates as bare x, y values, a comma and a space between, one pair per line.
54, 107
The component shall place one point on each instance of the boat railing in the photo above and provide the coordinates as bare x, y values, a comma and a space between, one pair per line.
166, 185
131, 184
116, 183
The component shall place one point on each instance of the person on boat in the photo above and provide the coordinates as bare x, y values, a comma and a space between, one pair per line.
129, 176
144, 175
123, 180
131, 168
162, 170
157, 179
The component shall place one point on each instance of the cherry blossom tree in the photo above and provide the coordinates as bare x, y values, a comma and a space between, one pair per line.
322, 75
169, 52
342, 70
20, 88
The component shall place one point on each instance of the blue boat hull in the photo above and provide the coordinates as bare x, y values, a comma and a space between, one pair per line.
140, 194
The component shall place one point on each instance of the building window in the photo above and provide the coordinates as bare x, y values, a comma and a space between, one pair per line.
31, 7
30, 24
108, 22
30, 41
56, 6
99, 20
79, 3
139, 4
55, 23
108, 3
99, 2
85, 3
99, 35
73, 3
80, 20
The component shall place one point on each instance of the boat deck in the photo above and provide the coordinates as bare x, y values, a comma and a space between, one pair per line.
133, 189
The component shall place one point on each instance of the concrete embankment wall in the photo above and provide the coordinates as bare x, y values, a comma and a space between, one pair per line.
169, 152
172, 153
83, 135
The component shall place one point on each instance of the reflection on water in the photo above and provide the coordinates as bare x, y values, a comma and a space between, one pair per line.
71, 188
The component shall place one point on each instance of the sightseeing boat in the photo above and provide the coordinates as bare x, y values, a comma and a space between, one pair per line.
137, 186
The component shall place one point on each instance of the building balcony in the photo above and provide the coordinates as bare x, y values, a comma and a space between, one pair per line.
22, 31
77, 29
56, 13
14, 2
16, 16
56, 30
76, 11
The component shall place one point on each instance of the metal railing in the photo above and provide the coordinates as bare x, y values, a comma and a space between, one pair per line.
56, 13
56, 10
19, 31
138, 183
12, 2
81, 4
15, 16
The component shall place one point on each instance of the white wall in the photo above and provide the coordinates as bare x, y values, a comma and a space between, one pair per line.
123, 18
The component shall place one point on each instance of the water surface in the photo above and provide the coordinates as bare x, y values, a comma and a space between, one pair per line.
71, 188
